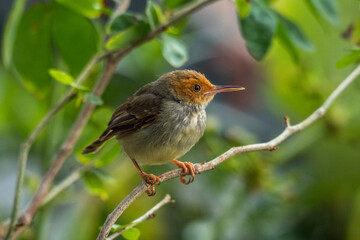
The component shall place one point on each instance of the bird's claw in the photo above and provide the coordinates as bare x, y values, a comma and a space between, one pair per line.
151, 191
151, 180
188, 167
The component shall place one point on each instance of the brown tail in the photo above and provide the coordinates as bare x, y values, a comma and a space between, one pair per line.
97, 144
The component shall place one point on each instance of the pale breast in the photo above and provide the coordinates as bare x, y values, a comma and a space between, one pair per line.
176, 131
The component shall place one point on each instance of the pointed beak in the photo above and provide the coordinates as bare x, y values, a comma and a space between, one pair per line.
224, 88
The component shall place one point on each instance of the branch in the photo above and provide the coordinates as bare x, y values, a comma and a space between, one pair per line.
148, 215
25, 147
206, 166
110, 66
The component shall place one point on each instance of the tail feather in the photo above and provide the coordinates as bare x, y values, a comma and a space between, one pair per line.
97, 143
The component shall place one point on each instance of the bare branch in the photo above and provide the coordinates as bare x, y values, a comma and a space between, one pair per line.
206, 166
148, 215
111, 61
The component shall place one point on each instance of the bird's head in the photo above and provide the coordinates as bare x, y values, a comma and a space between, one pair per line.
193, 87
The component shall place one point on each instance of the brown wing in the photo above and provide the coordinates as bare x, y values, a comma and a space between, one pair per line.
136, 113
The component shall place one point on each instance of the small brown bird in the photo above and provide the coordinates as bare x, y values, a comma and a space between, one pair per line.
162, 121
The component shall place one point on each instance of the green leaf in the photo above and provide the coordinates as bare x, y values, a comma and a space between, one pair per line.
32, 55
88, 8
75, 37
326, 8
95, 184
243, 8
10, 31
347, 60
80, 87
116, 227
287, 43
154, 14
295, 34
178, 28
355, 33
174, 50
173, 4
83, 159
131, 234
62, 77
258, 29
91, 98
128, 36
123, 22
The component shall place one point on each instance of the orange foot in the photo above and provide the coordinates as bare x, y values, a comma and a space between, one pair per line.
150, 179
186, 166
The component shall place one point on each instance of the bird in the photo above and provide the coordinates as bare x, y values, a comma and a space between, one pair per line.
162, 121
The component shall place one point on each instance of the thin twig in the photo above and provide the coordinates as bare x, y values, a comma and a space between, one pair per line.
206, 166
121, 7
111, 61
148, 215
67, 182
25, 147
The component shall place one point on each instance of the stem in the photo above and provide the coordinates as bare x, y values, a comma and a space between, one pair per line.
148, 215
206, 166
10, 28
112, 217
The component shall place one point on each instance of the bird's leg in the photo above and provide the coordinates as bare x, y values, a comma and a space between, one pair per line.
186, 166
149, 179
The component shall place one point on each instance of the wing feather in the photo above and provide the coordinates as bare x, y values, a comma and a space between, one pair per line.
136, 113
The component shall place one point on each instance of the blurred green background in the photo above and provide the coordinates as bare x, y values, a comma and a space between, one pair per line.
308, 189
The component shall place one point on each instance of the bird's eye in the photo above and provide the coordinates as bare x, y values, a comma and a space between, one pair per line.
197, 87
